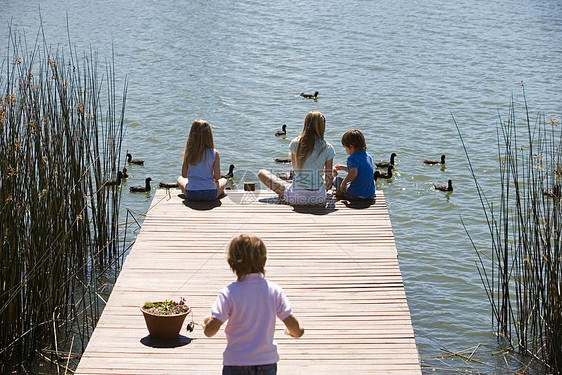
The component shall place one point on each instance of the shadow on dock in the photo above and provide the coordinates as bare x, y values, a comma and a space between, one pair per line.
359, 205
200, 205
305, 209
166, 343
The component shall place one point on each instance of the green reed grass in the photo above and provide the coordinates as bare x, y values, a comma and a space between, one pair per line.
61, 127
523, 275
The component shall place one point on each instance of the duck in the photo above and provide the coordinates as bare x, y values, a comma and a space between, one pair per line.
287, 176
434, 162
140, 188
387, 175
386, 164
283, 160
230, 173
168, 185
114, 181
124, 174
443, 187
553, 193
309, 96
134, 161
281, 132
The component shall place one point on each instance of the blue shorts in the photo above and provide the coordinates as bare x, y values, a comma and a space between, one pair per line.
270, 369
201, 195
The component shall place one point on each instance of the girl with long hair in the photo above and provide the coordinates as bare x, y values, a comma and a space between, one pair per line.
312, 159
200, 178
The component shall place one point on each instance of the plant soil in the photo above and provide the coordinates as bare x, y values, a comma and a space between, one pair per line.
164, 308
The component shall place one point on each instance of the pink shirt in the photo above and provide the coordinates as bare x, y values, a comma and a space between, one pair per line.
250, 306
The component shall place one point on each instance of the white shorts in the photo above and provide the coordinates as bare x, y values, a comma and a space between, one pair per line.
304, 197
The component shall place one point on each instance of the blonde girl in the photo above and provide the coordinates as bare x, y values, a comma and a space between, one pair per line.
312, 159
200, 178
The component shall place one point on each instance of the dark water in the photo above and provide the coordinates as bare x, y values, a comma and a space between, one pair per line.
397, 71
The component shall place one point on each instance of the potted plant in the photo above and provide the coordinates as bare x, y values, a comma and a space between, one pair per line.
165, 319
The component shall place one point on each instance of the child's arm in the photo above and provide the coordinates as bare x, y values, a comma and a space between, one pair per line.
217, 166
184, 169
328, 174
293, 327
341, 167
350, 177
211, 326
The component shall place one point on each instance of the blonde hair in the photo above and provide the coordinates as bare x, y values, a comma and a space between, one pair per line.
246, 254
313, 130
200, 138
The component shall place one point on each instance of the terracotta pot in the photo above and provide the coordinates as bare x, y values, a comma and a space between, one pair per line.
164, 326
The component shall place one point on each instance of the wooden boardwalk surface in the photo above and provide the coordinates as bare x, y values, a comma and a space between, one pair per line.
337, 265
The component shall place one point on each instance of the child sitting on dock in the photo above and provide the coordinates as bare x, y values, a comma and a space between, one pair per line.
250, 305
359, 183
311, 159
200, 178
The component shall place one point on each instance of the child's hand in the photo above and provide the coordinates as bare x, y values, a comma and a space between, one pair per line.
339, 167
288, 333
206, 320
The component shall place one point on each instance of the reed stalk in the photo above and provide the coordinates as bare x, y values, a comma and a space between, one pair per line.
61, 128
523, 276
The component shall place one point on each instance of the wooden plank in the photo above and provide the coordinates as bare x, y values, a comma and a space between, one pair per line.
338, 266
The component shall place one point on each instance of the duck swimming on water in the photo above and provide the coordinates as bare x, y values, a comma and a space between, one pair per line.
386, 164
140, 188
434, 162
168, 185
134, 161
553, 193
443, 187
230, 173
281, 132
114, 181
309, 96
287, 176
387, 175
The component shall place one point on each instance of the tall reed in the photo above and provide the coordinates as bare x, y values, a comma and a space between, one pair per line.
61, 127
523, 276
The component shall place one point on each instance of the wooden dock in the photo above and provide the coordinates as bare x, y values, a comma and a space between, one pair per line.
338, 266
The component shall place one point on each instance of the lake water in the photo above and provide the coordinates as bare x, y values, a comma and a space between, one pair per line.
396, 70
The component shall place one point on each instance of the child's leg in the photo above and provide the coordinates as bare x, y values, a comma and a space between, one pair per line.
272, 181
221, 185
337, 183
182, 182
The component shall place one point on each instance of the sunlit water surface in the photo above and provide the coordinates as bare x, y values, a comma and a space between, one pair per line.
398, 71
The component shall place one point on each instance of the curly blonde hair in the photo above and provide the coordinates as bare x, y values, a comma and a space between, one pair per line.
246, 254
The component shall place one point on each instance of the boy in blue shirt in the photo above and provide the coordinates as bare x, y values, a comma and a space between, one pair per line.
359, 182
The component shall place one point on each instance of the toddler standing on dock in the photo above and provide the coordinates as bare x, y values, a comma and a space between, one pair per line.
200, 178
250, 305
359, 182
